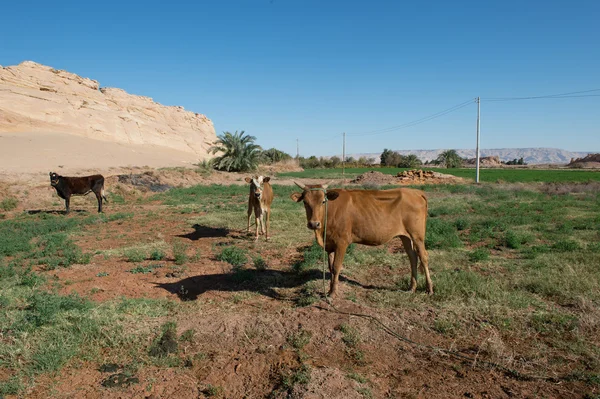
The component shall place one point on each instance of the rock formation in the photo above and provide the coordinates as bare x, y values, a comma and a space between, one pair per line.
589, 161
38, 98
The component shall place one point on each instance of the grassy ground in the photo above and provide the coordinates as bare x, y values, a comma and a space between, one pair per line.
516, 272
486, 175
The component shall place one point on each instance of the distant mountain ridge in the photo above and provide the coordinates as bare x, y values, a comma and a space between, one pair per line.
530, 155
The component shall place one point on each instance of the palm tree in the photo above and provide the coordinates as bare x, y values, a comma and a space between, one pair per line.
450, 159
238, 152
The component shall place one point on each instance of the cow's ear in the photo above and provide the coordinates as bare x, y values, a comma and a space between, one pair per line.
248, 179
297, 197
50, 173
266, 179
332, 195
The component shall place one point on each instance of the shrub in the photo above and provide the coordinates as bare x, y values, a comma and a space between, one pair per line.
516, 240
273, 155
479, 255
157, 254
310, 257
8, 204
566, 246
259, 263
235, 256
134, 255
461, 224
180, 253
441, 234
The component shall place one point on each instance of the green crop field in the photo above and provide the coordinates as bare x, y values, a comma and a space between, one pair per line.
486, 175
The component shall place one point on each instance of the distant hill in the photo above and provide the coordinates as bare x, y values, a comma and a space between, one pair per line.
530, 155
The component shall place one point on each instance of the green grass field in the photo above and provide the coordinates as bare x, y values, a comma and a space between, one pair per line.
511, 263
485, 175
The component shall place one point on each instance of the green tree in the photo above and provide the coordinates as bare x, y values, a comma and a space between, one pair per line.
409, 161
334, 161
238, 152
273, 155
450, 159
385, 155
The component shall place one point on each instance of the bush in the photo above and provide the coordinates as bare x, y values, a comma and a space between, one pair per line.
157, 254
479, 255
8, 204
234, 256
441, 234
273, 155
134, 255
516, 240
259, 263
180, 253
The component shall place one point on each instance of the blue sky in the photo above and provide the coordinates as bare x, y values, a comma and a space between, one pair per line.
312, 69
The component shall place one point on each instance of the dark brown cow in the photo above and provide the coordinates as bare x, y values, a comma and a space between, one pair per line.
259, 201
369, 217
69, 186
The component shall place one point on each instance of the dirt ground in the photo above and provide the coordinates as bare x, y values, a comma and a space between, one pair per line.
245, 341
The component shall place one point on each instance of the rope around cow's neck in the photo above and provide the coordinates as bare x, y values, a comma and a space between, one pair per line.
325, 256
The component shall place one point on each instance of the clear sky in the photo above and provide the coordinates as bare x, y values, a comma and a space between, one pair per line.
312, 69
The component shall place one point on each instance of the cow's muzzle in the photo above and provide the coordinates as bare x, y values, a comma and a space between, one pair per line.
313, 225
257, 195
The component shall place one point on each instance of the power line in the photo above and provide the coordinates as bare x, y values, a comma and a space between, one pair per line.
415, 122
572, 94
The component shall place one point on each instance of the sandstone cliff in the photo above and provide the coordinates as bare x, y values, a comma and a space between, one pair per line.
38, 98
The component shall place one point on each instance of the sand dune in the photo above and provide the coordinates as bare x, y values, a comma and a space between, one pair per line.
38, 153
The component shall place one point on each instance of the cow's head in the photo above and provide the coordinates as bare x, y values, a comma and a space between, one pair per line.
256, 185
54, 178
315, 198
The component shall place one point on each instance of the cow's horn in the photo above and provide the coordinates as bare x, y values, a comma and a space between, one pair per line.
302, 186
327, 184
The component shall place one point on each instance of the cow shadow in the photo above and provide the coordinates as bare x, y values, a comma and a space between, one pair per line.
205, 232
53, 212
264, 282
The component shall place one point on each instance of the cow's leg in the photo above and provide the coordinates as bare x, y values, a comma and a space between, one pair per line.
331, 259
338, 259
262, 222
257, 220
249, 214
422, 252
412, 255
99, 198
268, 212
67, 202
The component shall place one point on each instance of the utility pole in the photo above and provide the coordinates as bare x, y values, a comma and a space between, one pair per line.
477, 150
298, 151
344, 159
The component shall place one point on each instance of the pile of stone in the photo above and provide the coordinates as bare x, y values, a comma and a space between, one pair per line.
417, 175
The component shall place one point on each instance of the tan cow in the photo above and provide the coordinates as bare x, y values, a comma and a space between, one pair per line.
369, 217
259, 200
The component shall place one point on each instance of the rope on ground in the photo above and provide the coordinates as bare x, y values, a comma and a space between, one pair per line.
507, 370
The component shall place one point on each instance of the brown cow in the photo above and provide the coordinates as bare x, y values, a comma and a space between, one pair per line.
369, 217
69, 186
259, 200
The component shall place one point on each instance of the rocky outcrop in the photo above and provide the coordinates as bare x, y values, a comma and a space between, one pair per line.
38, 98
589, 161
